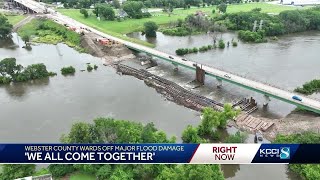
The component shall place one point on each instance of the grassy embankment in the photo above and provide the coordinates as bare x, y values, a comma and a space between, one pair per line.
118, 29
14, 19
47, 31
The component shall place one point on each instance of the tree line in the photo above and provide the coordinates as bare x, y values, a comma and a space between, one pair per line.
289, 21
10, 71
5, 27
78, 4
221, 45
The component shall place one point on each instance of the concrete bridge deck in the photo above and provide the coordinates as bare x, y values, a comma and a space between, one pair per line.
268, 90
32, 5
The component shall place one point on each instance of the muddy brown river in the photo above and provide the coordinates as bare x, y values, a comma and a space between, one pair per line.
41, 111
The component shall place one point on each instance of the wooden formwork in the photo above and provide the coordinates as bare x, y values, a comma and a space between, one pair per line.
252, 123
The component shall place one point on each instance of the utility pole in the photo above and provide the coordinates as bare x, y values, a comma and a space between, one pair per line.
254, 26
261, 23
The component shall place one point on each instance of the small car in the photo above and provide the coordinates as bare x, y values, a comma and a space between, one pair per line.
184, 59
171, 57
227, 76
297, 98
258, 138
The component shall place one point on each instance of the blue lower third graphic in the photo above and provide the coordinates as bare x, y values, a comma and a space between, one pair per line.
285, 153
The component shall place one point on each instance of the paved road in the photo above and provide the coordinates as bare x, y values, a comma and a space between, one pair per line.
269, 90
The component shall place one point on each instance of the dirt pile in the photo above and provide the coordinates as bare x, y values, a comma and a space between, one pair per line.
294, 123
109, 53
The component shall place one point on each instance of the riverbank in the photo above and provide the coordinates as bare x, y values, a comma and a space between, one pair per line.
118, 29
41, 30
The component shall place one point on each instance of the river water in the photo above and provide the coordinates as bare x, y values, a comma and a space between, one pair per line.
40, 111
286, 63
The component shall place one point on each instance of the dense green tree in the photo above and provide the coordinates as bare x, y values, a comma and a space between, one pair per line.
10, 71
147, 171
82, 133
116, 4
5, 80
71, 4
150, 29
105, 11
60, 170
88, 168
26, 39
84, 4
147, 3
249, 36
36, 71
9, 67
14, 171
108, 13
179, 23
190, 135
147, 133
120, 173
133, 9
68, 70
195, 172
238, 137
294, 21
212, 119
198, 23
104, 172
5, 27
84, 12
222, 7
89, 68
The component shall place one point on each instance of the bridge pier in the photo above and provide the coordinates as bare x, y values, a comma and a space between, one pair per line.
200, 75
175, 67
266, 100
219, 82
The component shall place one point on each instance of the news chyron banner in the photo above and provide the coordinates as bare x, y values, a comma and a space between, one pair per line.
158, 153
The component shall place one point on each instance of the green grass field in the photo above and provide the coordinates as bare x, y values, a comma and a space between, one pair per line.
81, 176
118, 29
14, 19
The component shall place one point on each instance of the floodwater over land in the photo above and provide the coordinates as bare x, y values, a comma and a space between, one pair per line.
286, 63
40, 111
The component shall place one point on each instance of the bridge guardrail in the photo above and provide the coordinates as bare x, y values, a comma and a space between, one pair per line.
255, 80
